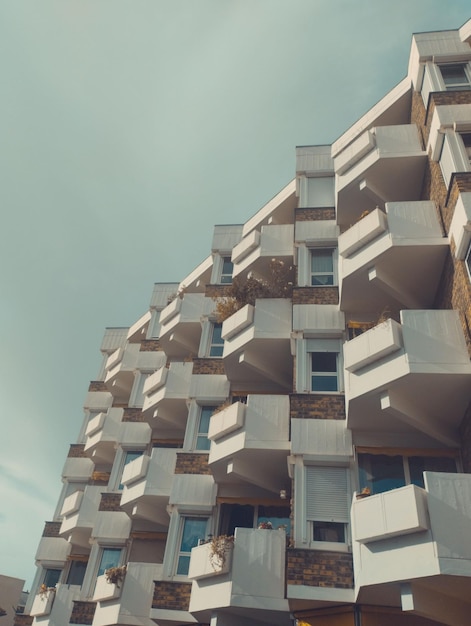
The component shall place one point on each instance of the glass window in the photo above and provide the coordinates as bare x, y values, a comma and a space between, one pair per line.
216, 347
455, 76
76, 572
51, 577
277, 516
466, 137
202, 441
420, 464
110, 557
324, 371
380, 472
322, 266
193, 529
226, 271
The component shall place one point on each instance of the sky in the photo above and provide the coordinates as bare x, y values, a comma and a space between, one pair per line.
128, 129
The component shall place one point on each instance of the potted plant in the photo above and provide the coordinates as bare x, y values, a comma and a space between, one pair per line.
114, 575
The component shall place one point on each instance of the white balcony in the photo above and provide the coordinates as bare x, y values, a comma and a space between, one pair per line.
368, 170
55, 607
393, 259
55, 549
79, 512
122, 364
409, 377
106, 430
254, 582
166, 392
77, 469
98, 401
245, 438
130, 603
257, 346
180, 324
111, 526
147, 484
257, 249
42, 603
420, 536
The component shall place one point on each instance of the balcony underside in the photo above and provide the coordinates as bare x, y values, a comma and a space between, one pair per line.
182, 340
403, 276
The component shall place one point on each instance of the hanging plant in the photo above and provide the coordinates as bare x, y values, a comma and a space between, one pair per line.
218, 550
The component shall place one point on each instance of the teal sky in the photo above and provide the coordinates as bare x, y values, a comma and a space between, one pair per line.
128, 129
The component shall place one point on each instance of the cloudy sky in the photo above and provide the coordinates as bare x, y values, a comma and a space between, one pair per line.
128, 129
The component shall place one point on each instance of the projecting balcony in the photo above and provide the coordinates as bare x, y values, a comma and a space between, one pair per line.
129, 602
42, 603
147, 483
122, 364
252, 577
368, 170
106, 430
409, 377
55, 549
180, 324
77, 469
420, 536
55, 606
166, 392
79, 511
248, 437
256, 250
257, 346
393, 259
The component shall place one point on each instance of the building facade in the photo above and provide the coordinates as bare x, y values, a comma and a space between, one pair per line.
286, 434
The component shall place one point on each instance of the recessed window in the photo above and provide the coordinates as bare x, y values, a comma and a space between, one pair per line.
226, 271
76, 572
192, 530
51, 577
202, 442
322, 267
110, 557
456, 76
324, 371
216, 345
466, 138
327, 504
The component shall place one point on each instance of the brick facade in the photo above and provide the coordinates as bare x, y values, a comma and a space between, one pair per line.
208, 366
318, 568
51, 529
97, 385
132, 415
315, 295
99, 478
317, 406
77, 450
110, 502
192, 463
150, 345
22, 620
317, 214
171, 596
82, 613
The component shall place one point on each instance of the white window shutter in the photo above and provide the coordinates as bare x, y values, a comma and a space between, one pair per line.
326, 494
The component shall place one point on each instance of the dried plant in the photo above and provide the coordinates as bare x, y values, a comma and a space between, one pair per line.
114, 575
219, 548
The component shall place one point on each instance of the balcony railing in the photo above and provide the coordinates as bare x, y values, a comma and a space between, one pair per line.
257, 249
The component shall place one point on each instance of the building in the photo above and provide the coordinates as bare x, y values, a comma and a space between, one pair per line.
309, 456
12, 598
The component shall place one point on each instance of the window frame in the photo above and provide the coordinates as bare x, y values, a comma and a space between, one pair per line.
331, 273
324, 374
459, 85
224, 277
199, 434
179, 553
214, 346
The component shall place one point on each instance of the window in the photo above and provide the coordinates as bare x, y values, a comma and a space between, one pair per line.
110, 557
51, 577
466, 138
216, 345
322, 267
383, 472
192, 530
76, 572
129, 455
234, 516
324, 371
226, 271
455, 76
327, 504
201, 441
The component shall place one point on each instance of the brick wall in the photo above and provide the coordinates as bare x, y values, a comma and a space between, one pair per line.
208, 366
192, 463
51, 529
171, 596
150, 345
82, 612
22, 620
315, 295
99, 478
97, 385
317, 406
110, 502
318, 568
132, 415
317, 214
77, 450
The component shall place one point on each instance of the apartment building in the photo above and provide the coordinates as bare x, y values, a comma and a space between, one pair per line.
285, 435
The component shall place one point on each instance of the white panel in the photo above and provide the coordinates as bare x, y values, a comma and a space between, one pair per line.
311, 159
114, 338
193, 491
209, 387
225, 237
321, 437
317, 192
413, 220
317, 231
398, 139
318, 319
326, 493
111, 526
161, 294
460, 227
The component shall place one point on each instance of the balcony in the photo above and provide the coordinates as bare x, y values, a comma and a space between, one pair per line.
420, 536
368, 170
257, 249
56, 605
254, 581
121, 365
130, 603
257, 346
106, 430
77, 469
409, 377
393, 259
42, 603
79, 511
55, 549
166, 392
147, 483
248, 437
180, 324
